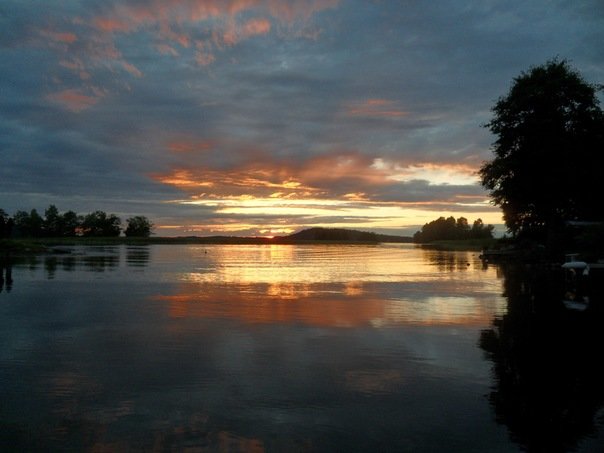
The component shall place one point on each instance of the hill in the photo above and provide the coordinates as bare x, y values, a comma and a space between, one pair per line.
342, 234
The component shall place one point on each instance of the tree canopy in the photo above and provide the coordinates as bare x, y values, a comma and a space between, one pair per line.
451, 229
98, 223
69, 224
138, 226
550, 142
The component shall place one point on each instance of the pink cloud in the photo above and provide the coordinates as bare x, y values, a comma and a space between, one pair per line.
204, 58
165, 49
336, 174
189, 146
376, 108
169, 17
132, 69
111, 24
256, 27
62, 37
74, 100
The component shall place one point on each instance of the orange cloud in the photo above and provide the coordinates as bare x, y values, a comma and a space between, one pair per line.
63, 37
128, 17
204, 58
256, 27
375, 108
77, 66
74, 100
131, 69
317, 177
165, 49
438, 174
170, 17
111, 24
189, 146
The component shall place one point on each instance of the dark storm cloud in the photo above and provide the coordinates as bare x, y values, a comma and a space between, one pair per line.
107, 101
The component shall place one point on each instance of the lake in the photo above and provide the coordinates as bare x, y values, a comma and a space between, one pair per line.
294, 348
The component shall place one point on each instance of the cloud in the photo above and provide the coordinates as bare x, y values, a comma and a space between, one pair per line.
63, 37
166, 49
74, 100
345, 176
353, 113
221, 20
190, 146
376, 108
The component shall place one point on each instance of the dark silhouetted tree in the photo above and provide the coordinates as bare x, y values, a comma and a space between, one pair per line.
451, 229
70, 223
60, 225
99, 224
4, 224
52, 222
138, 226
28, 224
21, 223
36, 224
480, 230
550, 142
462, 228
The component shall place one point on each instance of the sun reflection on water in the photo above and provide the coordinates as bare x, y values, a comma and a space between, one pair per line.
344, 286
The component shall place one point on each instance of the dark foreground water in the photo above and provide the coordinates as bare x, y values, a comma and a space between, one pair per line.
294, 348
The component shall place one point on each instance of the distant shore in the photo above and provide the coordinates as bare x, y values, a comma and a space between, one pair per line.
49, 245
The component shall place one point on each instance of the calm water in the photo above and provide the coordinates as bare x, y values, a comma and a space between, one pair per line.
293, 348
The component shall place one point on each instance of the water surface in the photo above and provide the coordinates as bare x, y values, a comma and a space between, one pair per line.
277, 348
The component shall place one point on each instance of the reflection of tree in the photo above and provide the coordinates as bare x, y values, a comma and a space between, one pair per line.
68, 263
6, 275
546, 363
447, 261
50, 264
100, 263
137, 256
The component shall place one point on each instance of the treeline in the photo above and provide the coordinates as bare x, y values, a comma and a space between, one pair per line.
69, 224
341, 234
451, 229
333, 234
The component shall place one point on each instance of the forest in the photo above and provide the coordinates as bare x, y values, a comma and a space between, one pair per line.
98, 223
450, 229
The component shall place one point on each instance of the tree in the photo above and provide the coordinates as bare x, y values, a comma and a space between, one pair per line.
4, 224
99, 224
28, 224
462, 227
480, 230
70, 223
138, 226
450, 229
550, 140
52, 222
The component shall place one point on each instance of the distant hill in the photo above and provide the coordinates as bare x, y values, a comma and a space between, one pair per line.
342, 234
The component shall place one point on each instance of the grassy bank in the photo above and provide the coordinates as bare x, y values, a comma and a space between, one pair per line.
20, 246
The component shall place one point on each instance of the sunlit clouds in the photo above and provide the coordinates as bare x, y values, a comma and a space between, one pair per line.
75, 100
199, 30
376, 108
320, 191
262, 117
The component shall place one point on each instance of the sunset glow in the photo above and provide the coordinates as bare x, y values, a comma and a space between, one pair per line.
260, 117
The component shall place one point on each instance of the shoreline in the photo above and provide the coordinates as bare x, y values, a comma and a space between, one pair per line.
40, 246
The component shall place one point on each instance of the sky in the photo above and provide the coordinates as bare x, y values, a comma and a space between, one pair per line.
264, 117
